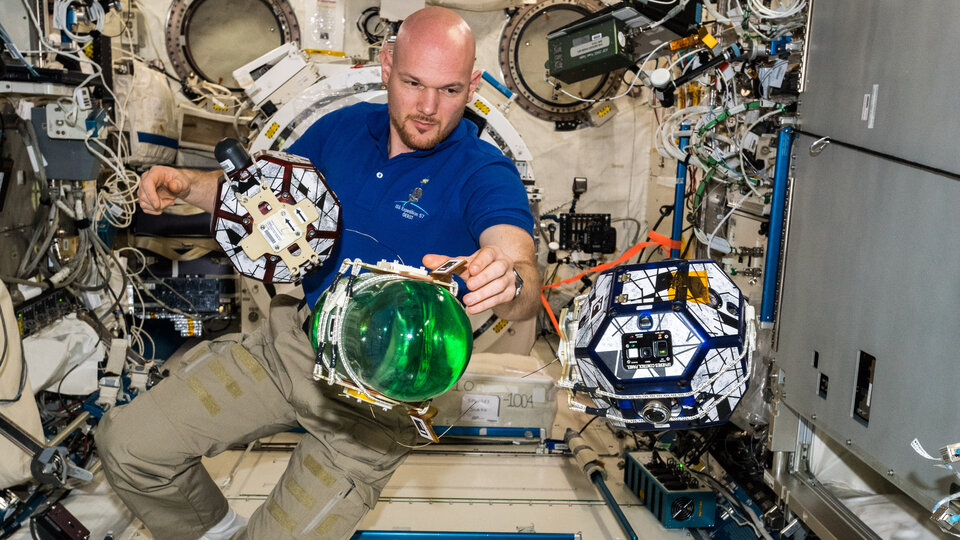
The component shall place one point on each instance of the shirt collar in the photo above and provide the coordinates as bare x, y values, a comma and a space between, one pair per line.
378, 124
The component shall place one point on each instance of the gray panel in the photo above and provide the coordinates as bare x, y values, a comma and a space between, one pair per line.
904, 47
872, 264
16, 22
66, 159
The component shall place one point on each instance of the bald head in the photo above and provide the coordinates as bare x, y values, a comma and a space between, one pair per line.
437, 28
430, 78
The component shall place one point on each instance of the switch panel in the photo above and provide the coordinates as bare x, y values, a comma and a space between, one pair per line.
647, 349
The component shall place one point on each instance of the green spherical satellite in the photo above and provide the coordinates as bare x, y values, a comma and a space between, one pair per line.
405, 338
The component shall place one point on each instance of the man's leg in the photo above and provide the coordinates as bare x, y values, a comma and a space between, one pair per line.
151, 447
313, 499
347, 456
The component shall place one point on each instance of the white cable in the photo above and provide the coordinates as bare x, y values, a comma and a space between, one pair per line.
215, 92
65, 208
668, 130
749, 129
136, 332
94, 13
758, 32
756, 6
714, 13
736, 207
633, 83
670, 14
685, 55
124, 199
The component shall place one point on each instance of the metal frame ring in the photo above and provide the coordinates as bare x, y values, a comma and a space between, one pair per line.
178, 24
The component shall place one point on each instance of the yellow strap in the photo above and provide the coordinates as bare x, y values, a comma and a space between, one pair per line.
177, 249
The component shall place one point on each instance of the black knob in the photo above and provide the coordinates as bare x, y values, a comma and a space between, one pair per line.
231, 155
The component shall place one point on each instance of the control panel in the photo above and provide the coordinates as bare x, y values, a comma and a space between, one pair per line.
647, 349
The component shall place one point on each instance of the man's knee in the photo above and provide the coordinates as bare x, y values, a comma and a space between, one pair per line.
112, 444
127, 449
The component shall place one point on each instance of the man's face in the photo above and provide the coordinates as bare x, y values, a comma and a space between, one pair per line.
427, 89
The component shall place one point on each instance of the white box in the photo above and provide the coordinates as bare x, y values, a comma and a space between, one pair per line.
397, 10
494, 393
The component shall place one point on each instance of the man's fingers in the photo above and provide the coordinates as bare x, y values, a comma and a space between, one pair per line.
148, 191
153, 185
160, 187
490, 295
432, 261
481, 259
487, 274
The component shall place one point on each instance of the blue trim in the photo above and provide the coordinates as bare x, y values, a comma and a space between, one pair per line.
677, 234
612, 504
159, 140
479, 431
71, 19
497, 84
771, 267
451, 535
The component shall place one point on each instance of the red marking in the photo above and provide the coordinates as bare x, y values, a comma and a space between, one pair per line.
229, 217
287, 175
268, 271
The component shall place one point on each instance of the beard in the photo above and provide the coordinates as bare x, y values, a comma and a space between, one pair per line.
415, 140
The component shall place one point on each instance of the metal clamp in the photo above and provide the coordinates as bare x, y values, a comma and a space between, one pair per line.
818, 145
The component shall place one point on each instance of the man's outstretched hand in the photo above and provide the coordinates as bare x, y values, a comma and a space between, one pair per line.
489, 275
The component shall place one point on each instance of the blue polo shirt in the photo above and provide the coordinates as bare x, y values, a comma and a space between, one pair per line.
428, 201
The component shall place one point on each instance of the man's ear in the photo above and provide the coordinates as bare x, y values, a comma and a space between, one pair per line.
474, 81
386, 64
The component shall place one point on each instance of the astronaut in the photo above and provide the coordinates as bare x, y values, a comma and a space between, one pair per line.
414, 181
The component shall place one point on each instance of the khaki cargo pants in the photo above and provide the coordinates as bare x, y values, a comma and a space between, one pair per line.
229, 392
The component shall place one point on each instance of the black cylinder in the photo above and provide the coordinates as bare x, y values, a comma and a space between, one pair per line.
231, 155
664, 96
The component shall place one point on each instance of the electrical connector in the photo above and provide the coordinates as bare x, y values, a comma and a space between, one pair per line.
950, 453
579, 186
139, 377
708, 40
945, 518
82, 96
109, 391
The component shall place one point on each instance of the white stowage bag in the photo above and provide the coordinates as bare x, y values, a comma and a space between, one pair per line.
888, 512
15, 464
151, 116
63, 357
